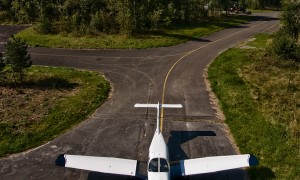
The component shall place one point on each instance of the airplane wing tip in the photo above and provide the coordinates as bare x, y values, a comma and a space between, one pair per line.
253, 161
60, 160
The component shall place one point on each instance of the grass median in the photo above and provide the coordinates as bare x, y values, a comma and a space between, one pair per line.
260, 98
170, 36
51, 101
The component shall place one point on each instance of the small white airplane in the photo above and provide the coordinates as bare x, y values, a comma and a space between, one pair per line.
158, 164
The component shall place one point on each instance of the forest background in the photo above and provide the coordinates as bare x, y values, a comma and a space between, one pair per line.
90, 17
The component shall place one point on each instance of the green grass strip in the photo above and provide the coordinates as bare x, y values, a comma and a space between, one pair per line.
271, 142
157, 38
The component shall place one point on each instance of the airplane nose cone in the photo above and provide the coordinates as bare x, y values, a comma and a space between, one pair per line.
158, 176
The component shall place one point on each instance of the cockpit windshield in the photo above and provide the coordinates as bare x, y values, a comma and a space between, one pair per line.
158, 165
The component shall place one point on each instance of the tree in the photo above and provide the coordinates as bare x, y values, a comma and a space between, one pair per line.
23, 11
45, 25
17, 56
291, 18
285, 42
2, 64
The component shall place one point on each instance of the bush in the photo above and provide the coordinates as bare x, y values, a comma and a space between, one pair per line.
45, 27
284, 46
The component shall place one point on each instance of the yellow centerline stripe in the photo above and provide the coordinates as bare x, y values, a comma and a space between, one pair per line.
188, 53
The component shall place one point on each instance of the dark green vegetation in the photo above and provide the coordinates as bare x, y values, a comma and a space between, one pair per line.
127, 17
18, 58
165, 37
286, 44
122, 23
260, 97
50, 101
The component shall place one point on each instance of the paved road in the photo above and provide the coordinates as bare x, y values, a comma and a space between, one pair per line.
7, 31
138, 76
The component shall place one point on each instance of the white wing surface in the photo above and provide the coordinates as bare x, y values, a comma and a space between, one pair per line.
98, 164
216, 163
158, 105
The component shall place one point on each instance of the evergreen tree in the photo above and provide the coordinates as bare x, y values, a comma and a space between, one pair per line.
17, 56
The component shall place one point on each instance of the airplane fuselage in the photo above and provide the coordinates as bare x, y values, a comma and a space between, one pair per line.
158, 165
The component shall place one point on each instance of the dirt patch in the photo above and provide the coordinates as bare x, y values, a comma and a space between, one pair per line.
18, 104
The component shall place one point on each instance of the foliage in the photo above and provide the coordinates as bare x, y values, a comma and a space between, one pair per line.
45, 27
285, 43
284, 46
45, 24
17, 56
291, 18
2, 65
262, 4
127, 17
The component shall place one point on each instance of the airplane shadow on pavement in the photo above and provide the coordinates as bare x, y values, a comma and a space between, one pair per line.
177, 138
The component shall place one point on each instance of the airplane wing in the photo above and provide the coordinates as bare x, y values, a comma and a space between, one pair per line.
98, 164
216, 163
157, 105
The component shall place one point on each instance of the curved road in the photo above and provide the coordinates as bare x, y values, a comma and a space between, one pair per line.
116, 129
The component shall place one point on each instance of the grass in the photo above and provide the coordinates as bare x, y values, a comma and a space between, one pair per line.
50, 101
260, 98
157, 38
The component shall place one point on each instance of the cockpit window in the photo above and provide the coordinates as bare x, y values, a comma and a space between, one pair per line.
164, 166
158, 165
153, 165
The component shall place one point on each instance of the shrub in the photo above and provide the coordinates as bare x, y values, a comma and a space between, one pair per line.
45, 27
284, 46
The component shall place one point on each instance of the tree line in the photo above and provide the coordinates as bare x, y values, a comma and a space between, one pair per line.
116, 16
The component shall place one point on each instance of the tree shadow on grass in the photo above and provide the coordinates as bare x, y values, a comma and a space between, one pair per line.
51, 83
163, 33
184, 37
